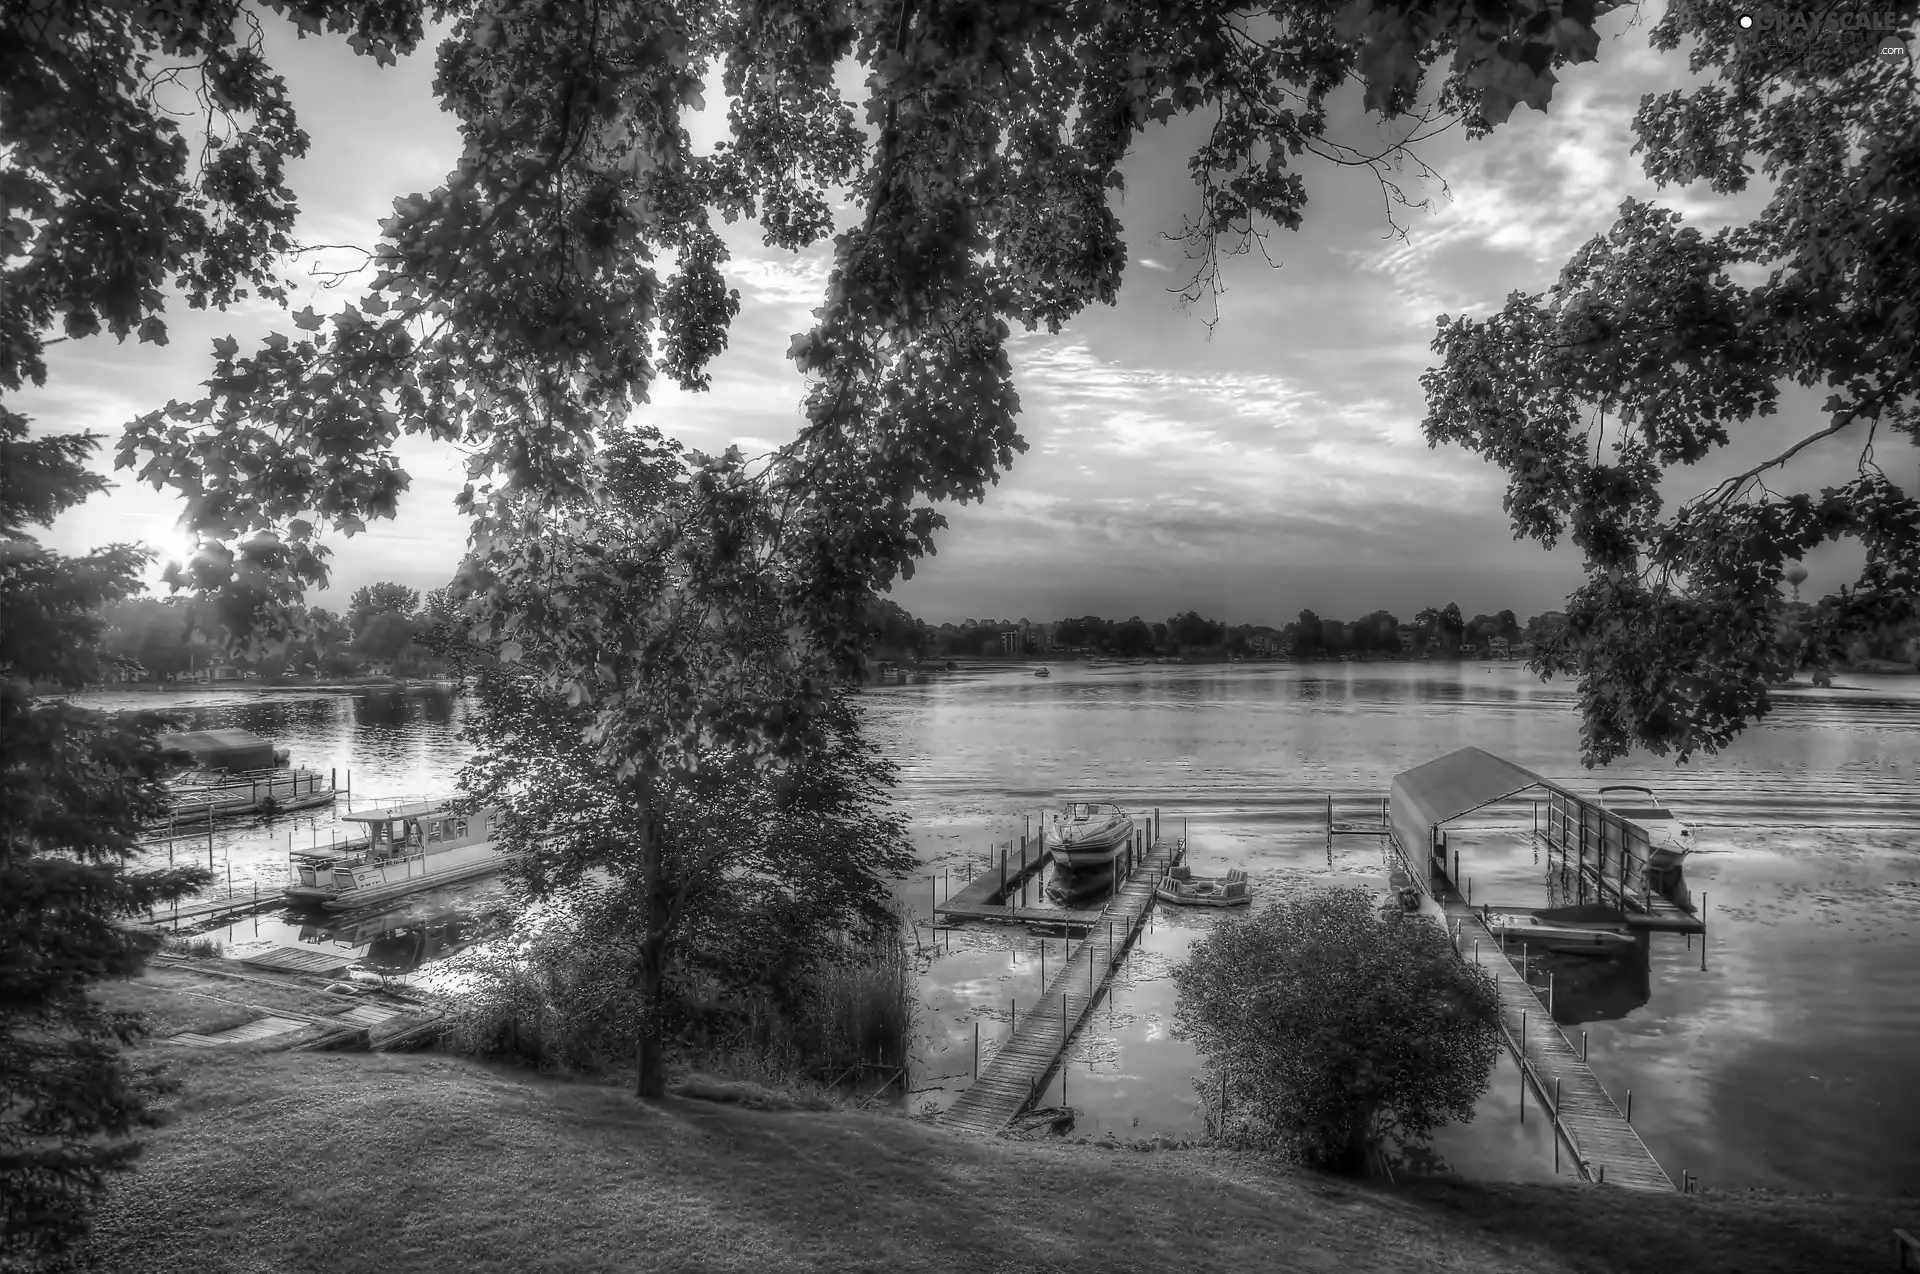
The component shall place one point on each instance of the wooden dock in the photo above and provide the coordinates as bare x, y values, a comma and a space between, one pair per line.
981, 900
1604, 1144
299, 960
1023, 1065
236, 903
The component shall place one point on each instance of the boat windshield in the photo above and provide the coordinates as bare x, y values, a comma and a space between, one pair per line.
1081, 813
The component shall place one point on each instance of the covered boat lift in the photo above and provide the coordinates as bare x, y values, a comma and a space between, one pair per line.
1610, 851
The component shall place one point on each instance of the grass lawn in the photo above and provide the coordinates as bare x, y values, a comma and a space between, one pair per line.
388, 1164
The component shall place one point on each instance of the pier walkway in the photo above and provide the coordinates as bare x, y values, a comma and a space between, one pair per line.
1022, 1066
1604, 1144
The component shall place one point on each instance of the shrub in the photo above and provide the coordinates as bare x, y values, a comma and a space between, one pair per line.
207, 948
1337, 1029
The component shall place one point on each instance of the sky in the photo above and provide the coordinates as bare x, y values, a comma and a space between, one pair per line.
1247, 469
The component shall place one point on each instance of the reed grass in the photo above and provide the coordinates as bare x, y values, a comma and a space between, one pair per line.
205, 948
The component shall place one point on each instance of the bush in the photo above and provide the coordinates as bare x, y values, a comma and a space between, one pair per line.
206, 948
1337, 1029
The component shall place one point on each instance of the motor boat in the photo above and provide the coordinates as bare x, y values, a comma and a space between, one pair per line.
1042, 672
1088, 834
1589, 930
1182, 888
1669, 838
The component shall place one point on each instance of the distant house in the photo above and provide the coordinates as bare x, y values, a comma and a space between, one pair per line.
378, 668
1409, 637
1498, 648
218, 670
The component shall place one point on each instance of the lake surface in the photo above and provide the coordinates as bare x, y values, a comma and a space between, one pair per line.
1786, 1062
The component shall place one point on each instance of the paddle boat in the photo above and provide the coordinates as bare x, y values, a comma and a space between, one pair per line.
1669, 838
1182, 888
406, 849
1088, 834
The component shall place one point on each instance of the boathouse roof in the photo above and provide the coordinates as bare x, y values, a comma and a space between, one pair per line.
1458, 783
222, 749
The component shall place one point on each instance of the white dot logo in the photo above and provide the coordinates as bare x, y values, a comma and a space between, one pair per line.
1746, 21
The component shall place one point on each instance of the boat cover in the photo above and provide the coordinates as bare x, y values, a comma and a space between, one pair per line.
222, 749
1458, 783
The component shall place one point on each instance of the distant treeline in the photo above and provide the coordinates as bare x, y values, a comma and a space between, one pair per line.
165, 639
1443, 632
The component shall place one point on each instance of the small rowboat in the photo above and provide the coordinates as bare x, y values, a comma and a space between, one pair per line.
1571, 937
1182, 888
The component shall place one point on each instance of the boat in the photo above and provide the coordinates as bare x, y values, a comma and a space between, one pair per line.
230, 773
1592, 929
1042, 672
1669, 838
1181, 887
406, 849
1088, 834
1075, 886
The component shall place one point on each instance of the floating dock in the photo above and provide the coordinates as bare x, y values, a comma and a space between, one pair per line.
1020, 1070
233, 903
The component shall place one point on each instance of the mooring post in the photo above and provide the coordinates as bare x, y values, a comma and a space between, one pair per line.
1523, 1035
1156, 822
976, 1048
1583, 1046
1629, 1106
1603, 1174
1476, 951
209, 838
1703, 931
1549, 993
1043, 962
1523, 1094
1063, 1023
1556, 1095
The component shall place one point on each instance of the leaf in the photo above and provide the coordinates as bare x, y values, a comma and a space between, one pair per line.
307, 321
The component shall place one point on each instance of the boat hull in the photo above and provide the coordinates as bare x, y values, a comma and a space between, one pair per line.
354, 899
1566, 937
1199, 894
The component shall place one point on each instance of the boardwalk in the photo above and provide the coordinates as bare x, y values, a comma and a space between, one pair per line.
1605, 1146
1022, 1066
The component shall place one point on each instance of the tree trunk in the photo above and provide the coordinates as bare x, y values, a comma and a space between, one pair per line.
650, 1078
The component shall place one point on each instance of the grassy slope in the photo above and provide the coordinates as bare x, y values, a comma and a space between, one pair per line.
399, 1163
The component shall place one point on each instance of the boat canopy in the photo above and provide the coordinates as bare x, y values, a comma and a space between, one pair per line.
419, 809
1458, 783
222, 749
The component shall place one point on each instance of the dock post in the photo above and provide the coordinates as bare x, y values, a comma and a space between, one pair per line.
976, 1048
1583, 1046
1063, 1031
1156, 822
1556, 1096
1703, 931
1629, 1106
1523, 1094
1476, 951
1043, 962
209, 838
1549, 993
1523, 1038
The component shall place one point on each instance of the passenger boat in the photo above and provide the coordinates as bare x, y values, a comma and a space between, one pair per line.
1088, 834
1182, 888
407, 848
1669, 838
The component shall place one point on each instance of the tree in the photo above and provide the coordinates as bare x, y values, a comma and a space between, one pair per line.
732, 870
1193, 632
1309, 641
1132, 637
75, 788
386, 635
380, 599
1338, 1031
1651, 341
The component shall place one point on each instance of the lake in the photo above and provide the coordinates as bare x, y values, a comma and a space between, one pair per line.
1786, 1062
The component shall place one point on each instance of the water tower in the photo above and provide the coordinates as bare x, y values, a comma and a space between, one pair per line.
1795, 574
